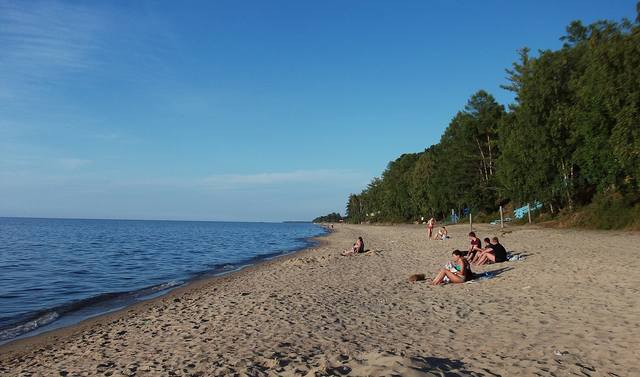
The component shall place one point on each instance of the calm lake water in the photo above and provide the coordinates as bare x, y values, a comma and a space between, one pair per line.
56, 272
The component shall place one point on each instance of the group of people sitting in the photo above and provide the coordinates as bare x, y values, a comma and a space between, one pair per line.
493, 252
460, 270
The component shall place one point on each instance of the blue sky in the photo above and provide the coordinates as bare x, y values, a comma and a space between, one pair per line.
241, 110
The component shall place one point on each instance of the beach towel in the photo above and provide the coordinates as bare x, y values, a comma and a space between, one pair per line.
514, 257
476, 277
482, 276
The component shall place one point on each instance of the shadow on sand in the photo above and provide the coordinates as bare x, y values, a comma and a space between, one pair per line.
499, 271
439, 366
390, 364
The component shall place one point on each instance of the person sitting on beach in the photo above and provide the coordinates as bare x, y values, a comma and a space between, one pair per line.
487, 243
474, 246
443, 233
460, 273
357, 248
495, 253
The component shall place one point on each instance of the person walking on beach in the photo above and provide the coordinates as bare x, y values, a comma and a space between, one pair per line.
460, 273
430, 224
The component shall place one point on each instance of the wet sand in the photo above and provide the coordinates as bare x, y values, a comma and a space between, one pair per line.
571, 307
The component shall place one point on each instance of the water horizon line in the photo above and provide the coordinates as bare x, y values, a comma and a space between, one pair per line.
164, 220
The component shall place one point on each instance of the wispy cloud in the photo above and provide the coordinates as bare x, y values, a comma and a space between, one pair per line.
274, 178
254, 181
43, 41
73, 163
297, 194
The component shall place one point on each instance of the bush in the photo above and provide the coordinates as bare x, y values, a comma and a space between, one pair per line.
606, 211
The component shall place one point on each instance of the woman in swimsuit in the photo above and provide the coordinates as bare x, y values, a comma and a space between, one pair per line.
430, 224
358, 247
461, 274
443, 234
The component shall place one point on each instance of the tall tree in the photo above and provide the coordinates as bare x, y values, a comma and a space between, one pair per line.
572, 132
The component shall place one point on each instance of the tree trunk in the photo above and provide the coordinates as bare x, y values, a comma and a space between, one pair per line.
491, 172
567, 177
484, 161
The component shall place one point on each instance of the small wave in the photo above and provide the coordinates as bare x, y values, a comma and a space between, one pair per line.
157, 288
103, 303
123, 248
169, 284
16, 331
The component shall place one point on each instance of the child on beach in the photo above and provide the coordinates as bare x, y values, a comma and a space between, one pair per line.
358, 247
460, 273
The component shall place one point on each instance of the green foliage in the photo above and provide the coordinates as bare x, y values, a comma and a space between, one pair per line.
607, 211
458, 172
330, 218
572, 135
574, 130
397, 204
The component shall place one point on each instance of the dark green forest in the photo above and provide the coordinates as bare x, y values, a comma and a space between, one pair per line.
330, 218
570, 140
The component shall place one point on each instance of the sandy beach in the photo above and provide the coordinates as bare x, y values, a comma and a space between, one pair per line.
570, 307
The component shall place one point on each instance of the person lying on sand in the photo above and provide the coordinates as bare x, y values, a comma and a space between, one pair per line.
461, 270
496, 253
474, 246
358, 247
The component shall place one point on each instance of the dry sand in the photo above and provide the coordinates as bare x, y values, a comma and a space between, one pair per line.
572, 307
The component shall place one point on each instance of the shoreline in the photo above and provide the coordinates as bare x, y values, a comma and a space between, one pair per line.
313, 312
198, 281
